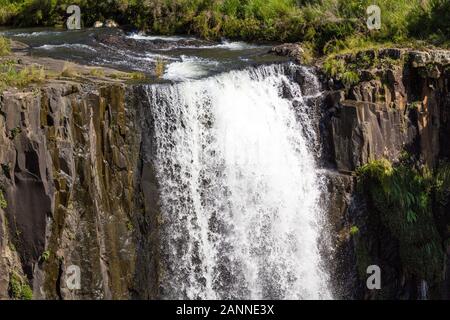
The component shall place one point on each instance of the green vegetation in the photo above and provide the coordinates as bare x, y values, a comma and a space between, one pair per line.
5, 47
99, 73
69, 70
354, 230
136, 75
442, 185
15, 132
11, 75
19, 288
3, 203
130, 226
325, 25
402, 196
348, 65
45, 256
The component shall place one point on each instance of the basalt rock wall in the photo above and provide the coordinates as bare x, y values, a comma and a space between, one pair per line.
398, 108
71, 173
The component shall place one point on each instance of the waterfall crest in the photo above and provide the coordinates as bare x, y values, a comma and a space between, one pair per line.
239, 187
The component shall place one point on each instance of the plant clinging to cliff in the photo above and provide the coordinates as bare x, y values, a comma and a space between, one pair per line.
401, 195
3, 203
19, 287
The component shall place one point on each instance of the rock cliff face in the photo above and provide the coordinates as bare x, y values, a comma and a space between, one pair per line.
393, 105
70, 159
400, 106
78, 187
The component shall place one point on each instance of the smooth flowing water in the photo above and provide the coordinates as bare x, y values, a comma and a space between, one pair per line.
184, 57
240, 187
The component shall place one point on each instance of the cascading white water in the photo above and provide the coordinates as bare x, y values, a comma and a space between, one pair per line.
239, 188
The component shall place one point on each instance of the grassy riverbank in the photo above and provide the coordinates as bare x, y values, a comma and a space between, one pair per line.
326, 26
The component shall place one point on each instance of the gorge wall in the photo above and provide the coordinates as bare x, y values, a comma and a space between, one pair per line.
79, 185
70, 157
398, 109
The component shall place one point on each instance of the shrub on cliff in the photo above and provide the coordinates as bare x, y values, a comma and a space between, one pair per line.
19, 287
401, 196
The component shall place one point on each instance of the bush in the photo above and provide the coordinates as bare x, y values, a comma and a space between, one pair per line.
45, 256
354, 230
401, 196
11, 76
69, 70
19, 288
327, 24
340, 70
431, 21
5, 48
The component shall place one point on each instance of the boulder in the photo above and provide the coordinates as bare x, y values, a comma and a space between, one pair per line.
291, 50
111, 24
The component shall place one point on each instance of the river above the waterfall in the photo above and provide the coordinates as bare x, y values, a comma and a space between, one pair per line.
184, 57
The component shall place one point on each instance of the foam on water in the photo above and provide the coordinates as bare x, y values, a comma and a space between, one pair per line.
140, 36
188, 68
78, 46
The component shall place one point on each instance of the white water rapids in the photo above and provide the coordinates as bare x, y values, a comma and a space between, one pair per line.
239, 187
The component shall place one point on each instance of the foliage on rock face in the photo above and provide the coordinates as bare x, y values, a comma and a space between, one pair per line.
3, 203
349, 65
326, 24
19, 288
402, 195
442, 185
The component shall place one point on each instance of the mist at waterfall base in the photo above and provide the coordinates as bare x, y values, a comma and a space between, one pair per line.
239, 186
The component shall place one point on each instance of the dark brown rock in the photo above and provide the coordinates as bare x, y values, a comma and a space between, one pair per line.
70, 156
291, 50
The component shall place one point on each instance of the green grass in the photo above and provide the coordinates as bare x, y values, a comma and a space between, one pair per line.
337, 68
5, 47
99, 73
328, 25
11, 75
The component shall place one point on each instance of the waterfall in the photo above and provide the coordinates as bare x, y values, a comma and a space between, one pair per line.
239, 187
423, 290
